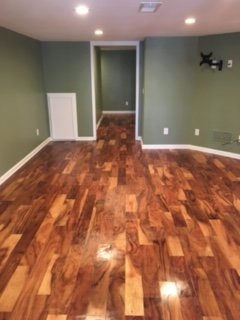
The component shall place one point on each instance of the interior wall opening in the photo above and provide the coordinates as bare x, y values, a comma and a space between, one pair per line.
115, 83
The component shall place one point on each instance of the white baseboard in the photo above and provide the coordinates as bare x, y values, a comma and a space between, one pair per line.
86, 138
190, 147
215, 151
18, 165
164, 146
22, 162
99, 121
117, 112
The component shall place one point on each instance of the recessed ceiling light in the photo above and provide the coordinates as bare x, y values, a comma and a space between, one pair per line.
190, 20
82, 10
98, 32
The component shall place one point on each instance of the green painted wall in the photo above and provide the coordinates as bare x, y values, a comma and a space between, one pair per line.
23, 106
178, 93
181, 95
216, 100
169, 79
98, 82
67, 68
118, 79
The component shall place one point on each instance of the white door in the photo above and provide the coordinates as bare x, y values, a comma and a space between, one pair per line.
63, 116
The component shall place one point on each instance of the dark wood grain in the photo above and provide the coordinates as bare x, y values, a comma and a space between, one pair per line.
105, 231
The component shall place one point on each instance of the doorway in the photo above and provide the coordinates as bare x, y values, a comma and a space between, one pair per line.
114, 46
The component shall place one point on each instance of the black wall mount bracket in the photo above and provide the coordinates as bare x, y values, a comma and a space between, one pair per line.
207, 59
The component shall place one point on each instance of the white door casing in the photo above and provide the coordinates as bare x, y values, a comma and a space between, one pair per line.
135, 44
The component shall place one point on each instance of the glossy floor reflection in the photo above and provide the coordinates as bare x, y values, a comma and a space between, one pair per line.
106, 231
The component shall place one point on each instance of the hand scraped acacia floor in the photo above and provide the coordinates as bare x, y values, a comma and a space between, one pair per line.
106, 231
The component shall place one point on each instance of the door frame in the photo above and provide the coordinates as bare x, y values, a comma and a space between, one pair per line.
135, 44
73, 97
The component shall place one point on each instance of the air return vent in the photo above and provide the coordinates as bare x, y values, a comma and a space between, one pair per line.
149, 6
223, 137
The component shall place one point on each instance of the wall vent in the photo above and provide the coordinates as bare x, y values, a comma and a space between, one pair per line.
149, 6
221, 136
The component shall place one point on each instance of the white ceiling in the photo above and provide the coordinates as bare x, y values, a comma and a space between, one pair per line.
119, 19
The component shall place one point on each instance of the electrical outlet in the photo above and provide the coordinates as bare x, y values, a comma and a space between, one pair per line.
238, 139
37, 132
213, 66
126, 103
197, 132
229, 63
165, 131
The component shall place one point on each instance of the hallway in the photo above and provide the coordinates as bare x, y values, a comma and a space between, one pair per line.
106, 231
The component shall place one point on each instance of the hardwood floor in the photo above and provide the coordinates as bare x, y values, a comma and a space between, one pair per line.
105, 231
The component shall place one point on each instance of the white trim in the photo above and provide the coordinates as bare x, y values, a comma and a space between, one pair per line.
73, 97
94, 117
22, 162
190, 147
137, 88
86, 138
114, 43
164, 146
99, 121
215, 151
118, 112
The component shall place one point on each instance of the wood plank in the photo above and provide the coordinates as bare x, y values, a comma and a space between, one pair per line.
11, 293
25, 302
63, 281
96, 230
174, 247
57, 317
113, 182
131, 203
133, 290
142, 237
207, 298
69, 167
170, 303
45, 287
100, 144
7, 247
226, 244
58, 205
97, 305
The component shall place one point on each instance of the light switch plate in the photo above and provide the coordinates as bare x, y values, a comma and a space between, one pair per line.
197, 132
165, 131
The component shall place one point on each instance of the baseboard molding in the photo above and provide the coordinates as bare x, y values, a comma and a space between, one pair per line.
22, 162
164, 146
86, 138
190, 147
118, 112
99, 121
215, 151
